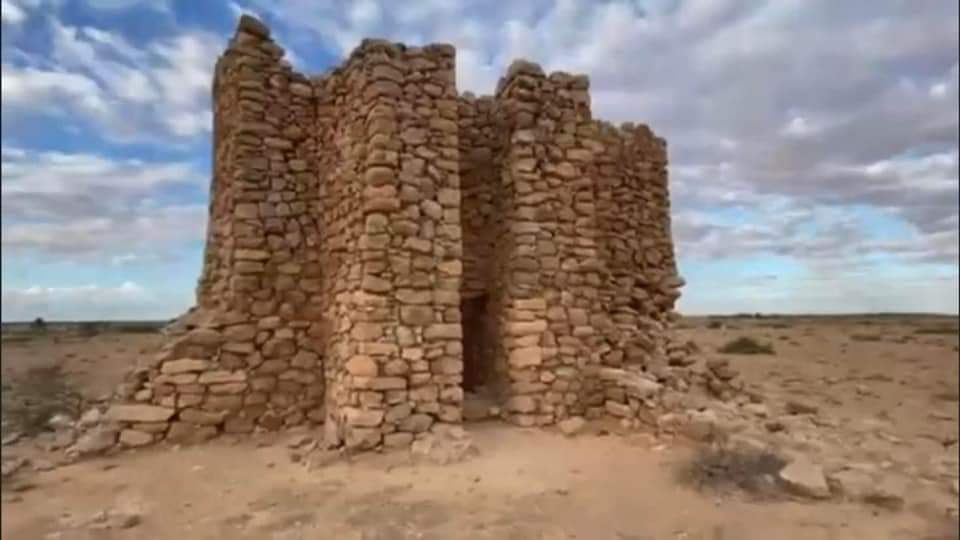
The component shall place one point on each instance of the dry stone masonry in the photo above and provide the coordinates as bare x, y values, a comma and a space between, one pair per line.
381, 247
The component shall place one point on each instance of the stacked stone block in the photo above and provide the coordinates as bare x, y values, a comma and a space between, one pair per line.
351, 216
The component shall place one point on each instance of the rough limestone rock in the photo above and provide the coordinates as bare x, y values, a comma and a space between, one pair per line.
444, 446
138, 413
877, 488
805, 478
94, 441
572, 426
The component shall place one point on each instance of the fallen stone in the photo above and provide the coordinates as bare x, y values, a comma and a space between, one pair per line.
132, 437
298, 441
757, 409
61, 439
11, 438
572, 426
95, 441
443, 448
702, 425
11, 465
799, 407
43, 465
858, 484
60, 422
805, 478
113, 519
90, 418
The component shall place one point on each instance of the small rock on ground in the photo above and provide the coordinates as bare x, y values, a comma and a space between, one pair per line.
805, 478
444, 446
572, 426
799, 407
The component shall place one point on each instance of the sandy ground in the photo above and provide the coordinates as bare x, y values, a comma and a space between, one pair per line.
885, 394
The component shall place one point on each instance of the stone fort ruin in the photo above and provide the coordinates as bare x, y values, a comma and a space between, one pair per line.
380, 246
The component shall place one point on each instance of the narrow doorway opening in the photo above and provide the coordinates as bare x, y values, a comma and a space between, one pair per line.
479, 396
476, 350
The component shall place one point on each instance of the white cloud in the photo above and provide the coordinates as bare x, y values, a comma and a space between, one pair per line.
85, 204
28, 172
11, 13
130, 93
798, 127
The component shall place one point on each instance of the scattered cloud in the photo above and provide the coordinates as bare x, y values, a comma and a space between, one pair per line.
155, 92
83, 204
11, 13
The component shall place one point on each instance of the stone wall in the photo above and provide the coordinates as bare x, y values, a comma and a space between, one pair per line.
369, 224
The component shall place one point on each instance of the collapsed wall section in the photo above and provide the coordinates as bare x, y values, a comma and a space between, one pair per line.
633, 212
251, 358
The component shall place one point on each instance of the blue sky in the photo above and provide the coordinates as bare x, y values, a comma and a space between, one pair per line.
813, 143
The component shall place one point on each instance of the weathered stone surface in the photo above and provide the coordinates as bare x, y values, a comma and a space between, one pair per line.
186, 433
132, 437
572, 426
98, 439
805, 478
138, 413
184, 365
444, 447
197, 416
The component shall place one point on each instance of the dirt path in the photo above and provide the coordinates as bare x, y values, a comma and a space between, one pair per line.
523, 485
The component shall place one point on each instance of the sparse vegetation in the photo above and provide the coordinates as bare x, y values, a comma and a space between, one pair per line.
775, 325
89, 329
725, 469
745, 345
30, 400
951, 395
940, 330
866, 337
715, 325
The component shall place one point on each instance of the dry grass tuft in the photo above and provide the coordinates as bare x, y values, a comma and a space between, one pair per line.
940, 330
745, 345
866, 337
30, 400
726, 469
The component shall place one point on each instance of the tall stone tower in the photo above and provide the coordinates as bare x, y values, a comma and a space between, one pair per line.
378, 243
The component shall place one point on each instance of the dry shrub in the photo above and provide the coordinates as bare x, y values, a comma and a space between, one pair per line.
866, 337
745, 345
950, 395
940, 330
775, 325
30, 400
727, 469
